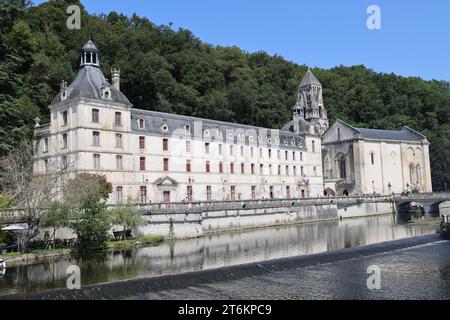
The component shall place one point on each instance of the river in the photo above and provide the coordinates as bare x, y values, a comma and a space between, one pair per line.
221, 250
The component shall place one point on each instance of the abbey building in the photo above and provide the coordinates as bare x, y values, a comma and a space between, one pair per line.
151, 156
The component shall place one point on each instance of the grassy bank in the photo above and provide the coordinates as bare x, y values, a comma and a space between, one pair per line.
15, 258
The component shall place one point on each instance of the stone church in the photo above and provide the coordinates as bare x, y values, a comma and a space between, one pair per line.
151, 156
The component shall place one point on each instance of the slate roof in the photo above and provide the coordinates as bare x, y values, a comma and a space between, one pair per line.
87, 84
404, 134
154, 122
304, 126
90, 47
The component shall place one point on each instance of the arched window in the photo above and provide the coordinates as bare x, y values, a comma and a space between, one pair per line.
372, 158
339, 133
411, 173
320, 112
313, 146
418, 174
341, 165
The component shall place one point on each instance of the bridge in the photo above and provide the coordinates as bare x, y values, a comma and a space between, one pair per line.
428, 204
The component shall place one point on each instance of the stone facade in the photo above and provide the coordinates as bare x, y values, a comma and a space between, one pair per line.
151, 156
360, 161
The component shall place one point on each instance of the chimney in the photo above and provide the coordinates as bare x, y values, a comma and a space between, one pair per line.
115, 78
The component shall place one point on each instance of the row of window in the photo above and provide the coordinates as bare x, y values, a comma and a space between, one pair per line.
143, 194
143, 167
95, 117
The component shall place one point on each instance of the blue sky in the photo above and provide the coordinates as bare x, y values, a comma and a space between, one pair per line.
414, 39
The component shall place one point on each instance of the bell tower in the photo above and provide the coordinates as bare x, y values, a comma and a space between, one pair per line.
310, 103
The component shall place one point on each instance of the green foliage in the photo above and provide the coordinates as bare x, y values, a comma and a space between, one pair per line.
173, 71
91, 226
127, 216
5, 202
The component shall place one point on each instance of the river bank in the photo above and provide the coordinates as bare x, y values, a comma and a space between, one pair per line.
18, 258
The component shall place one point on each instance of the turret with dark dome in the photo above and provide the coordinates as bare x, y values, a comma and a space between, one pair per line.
90, 83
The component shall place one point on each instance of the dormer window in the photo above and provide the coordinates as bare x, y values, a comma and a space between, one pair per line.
105, 92
64, 118
165, 128
141, 123
187, 129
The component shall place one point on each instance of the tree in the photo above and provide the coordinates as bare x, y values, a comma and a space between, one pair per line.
126, 215
57, 216
28, 191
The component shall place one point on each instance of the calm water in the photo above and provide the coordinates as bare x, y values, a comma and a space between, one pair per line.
215, 251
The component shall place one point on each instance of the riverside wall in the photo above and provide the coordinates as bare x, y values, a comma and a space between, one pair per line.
195, 222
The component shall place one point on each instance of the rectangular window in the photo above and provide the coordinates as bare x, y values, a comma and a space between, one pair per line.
166, 196
46, 165
253, 192
96, 138
65, 143
189, 193
45, 145
288, 192
242, 168
279, 170
119, 143
166, 164
278, 154
141, 123
270, 153
220, 167
220, 149
119, 194
233, 193
302, 171
188, 165
95, 116
142, 163
313, 144
293, 155
141, 142
231, 150
301, 156
295, 170
287, 170
119, 163
286, 155
207, 147
188, 146
261, 169
242, 151
165, 144
251, 151
270, 169
253, 168
96, 162
143, 194
64, 117
231, 168
260, 153
118, 119
207, 167
208, 193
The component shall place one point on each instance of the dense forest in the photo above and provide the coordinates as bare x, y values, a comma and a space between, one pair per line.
174, 71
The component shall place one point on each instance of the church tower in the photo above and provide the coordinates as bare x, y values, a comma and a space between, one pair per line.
310, 103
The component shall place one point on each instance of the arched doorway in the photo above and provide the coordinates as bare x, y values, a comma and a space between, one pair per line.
345, 193
329, 192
